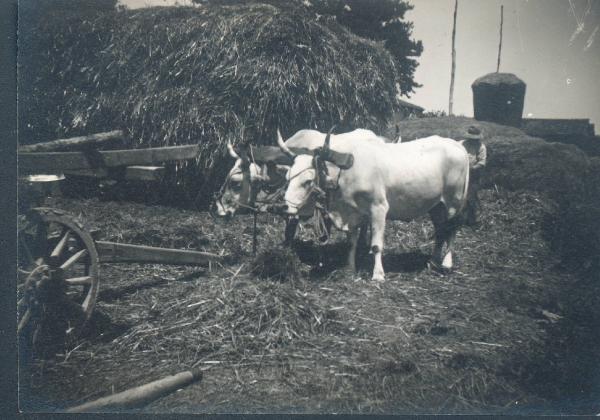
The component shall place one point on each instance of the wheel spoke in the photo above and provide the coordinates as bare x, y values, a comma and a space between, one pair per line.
79, 281
74, 258
41, 239
24, 320
60, 246
27, 250
21, 277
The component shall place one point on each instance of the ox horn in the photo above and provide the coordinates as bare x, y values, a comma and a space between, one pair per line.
328, 138
232, 151
283, 147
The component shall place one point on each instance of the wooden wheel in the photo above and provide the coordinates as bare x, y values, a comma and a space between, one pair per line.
58, 276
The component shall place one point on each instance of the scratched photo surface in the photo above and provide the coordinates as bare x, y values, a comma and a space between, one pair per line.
309, 206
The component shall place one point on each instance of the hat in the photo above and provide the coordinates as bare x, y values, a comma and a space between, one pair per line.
473, 133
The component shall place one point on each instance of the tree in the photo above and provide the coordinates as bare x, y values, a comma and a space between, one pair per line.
381, 20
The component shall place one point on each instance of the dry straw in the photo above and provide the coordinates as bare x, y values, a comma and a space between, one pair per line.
204, 75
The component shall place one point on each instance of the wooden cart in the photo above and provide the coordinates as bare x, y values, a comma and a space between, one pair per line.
58, 258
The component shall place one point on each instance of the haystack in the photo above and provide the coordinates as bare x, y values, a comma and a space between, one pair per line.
499, 98
203, 75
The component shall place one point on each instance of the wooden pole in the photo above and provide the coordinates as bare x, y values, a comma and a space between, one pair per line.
114, 252
451, 101
500, 45
74, 142
141, 395
254, 239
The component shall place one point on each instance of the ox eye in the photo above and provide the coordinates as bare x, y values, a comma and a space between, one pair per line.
236, 186
307, 183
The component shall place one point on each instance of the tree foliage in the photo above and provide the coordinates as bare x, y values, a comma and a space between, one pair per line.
378, 20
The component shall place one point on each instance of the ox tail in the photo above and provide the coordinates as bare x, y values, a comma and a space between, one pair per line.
461, 215
466, 189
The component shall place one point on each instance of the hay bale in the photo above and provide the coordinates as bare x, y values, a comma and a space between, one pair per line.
499, 98
203, 75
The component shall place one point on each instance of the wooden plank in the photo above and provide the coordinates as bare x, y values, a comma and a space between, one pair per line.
73, 142
53, 162
116, 253
131, 173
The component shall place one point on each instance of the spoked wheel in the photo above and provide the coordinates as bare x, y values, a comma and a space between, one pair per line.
58, 277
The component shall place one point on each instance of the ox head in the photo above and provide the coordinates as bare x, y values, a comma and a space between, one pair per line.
245, 181
306, 177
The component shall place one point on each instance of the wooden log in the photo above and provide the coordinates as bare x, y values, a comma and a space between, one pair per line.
141, 395
53, 162
73, 142
118, 253
131, 173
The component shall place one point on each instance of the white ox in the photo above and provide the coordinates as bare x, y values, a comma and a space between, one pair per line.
247, 180
394, 181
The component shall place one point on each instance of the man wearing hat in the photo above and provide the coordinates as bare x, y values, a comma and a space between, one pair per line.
477, 160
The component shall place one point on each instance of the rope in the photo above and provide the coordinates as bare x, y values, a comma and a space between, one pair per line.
319, 225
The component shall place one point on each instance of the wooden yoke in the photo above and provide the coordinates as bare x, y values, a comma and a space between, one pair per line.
273, 154
342, 160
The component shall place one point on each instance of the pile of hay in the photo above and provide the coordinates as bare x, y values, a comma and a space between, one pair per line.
205, 75
474, 341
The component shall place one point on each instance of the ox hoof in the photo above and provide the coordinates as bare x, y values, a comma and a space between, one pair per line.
433, 266
447, 263
380, 278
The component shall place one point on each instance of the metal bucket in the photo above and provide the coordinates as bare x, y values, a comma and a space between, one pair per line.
34, 189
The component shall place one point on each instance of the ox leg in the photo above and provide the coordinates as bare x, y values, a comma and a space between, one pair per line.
445, 232
363, 239
447, 262
378, 215
353, 235
291, 224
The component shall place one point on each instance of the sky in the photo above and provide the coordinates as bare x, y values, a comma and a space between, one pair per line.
541, 45
552, 45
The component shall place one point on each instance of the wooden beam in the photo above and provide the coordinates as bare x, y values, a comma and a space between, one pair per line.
116, 253
73, 142
131, 173
144, 173
53, 162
